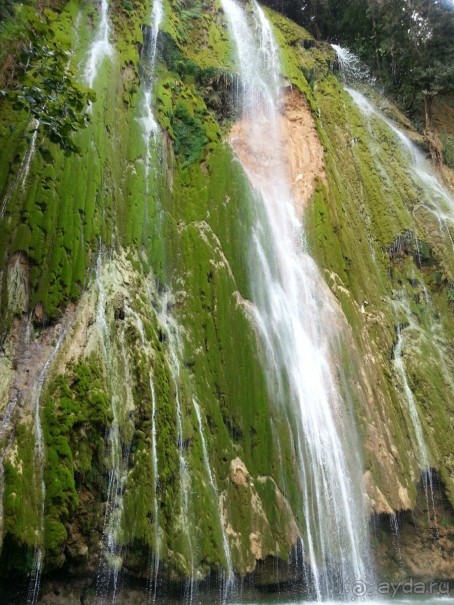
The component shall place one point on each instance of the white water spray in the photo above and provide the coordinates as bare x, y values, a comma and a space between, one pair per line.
421, 448
351, 67
298, 324
150, 126
101, 47
422, 452
394, 522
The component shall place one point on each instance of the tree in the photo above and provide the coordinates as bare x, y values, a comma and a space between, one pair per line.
408, 43
45, 86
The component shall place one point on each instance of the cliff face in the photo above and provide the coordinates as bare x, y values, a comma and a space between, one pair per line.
139, 436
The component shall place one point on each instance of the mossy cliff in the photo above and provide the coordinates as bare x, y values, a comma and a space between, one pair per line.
125, 288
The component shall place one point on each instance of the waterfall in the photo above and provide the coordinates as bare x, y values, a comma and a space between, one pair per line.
435, 197
121, 405
351, 67
423, 454
150, 126
394, 522
101, 47
38, 455
298, 324
148, 61
150, 131
229, 575
422, 451
175, 350
24, 169
155, 470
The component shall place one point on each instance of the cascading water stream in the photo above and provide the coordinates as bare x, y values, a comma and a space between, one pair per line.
155, 470
39, 450
422, 451
438, 200
150, 126
423, 454
24, 169
229, 577
121, 405
435, 196
396, 537
101, 47
175, 348
155, 467
295, 316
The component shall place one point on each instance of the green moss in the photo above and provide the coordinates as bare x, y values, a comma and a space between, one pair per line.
189, 135
75, 420
21, 502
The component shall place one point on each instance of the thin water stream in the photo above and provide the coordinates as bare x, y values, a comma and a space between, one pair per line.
435, 197
438, 200
228, 576
421, 449
175, 353
39, 460
24, 169
150, 128
148, 59
101, 48
155, 559
118, 442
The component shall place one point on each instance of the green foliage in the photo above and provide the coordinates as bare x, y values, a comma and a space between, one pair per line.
47, 88
410, 45
448, 149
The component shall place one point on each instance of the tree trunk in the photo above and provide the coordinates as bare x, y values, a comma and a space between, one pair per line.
428, 98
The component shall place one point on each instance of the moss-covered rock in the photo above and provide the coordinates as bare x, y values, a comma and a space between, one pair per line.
169, 221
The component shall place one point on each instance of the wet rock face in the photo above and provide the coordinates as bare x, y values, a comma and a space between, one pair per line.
301, 156
174, 270
417, 544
